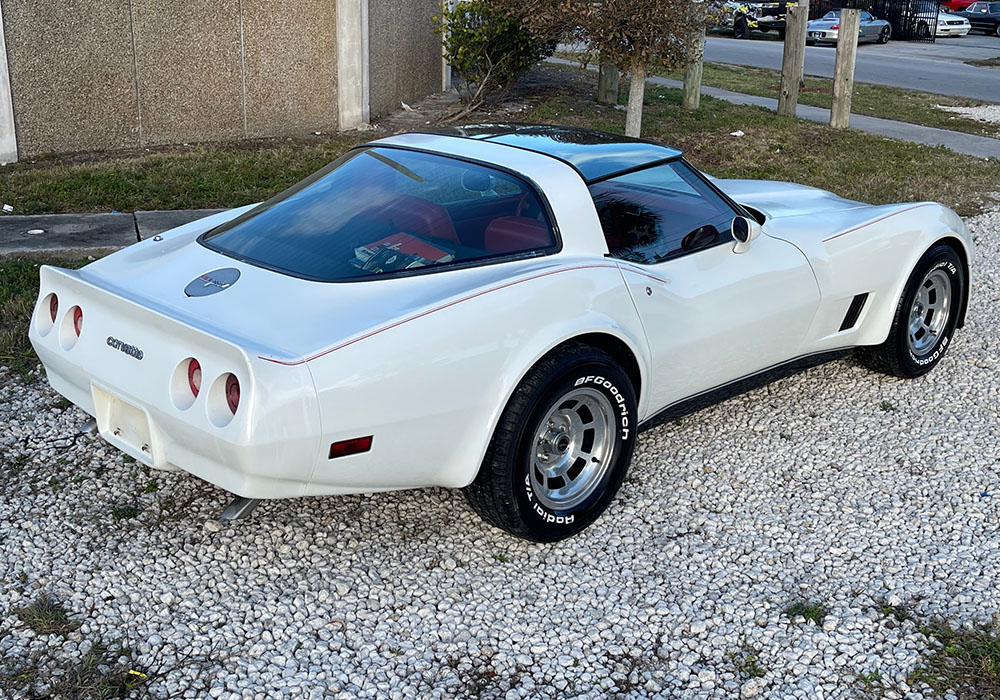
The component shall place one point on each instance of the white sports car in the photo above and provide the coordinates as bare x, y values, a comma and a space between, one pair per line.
495, 308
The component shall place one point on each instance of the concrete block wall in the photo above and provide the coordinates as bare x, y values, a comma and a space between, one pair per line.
90, 75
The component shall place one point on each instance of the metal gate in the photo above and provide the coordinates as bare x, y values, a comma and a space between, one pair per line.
911, 20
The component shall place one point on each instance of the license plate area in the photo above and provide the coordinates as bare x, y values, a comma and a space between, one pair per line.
123, 425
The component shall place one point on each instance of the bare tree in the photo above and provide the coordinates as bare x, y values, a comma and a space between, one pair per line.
635, 33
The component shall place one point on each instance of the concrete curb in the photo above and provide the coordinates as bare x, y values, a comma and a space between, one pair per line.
83, 232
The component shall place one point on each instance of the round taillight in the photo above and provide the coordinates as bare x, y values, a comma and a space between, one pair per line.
194, 376
233, 392
78, 320
53, 307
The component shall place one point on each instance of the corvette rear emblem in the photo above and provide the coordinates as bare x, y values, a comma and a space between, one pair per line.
131, 350
212, 282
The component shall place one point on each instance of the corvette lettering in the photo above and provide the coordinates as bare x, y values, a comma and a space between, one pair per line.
124, 347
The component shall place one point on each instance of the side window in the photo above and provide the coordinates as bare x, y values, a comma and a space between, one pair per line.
660, 213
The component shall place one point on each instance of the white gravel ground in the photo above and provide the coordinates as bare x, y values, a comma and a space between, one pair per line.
836, 486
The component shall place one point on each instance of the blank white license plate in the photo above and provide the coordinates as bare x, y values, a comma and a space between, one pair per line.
125, 423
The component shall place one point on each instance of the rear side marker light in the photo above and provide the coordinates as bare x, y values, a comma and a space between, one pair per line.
233, 392
194, 376
53, 307
350, 447
77, 320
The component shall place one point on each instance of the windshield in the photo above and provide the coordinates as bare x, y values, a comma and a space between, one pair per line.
832, 15
384, 210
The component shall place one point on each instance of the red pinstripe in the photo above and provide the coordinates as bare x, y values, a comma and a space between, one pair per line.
875, 221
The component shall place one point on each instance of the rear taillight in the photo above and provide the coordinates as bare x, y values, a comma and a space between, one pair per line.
77, 320
233, 392
836, 26
194, 376
53, 307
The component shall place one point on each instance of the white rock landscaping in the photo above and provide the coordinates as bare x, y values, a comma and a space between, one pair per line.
836, 487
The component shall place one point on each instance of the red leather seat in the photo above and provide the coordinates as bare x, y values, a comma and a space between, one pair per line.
417, 216
512, 234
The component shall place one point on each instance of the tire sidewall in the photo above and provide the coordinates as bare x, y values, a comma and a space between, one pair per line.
542, 522
937, 259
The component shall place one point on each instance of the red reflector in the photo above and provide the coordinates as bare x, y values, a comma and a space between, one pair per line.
233, 392
53, 307
194, 376
350, 447
78, 320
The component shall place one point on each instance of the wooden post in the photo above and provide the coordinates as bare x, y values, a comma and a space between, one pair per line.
692, 72
793, 59
607, 84
843, 70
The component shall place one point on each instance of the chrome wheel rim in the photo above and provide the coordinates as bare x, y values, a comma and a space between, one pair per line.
929, 313
572, 449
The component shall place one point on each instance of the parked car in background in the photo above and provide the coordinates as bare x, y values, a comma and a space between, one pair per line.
984, 16
760, 16
952, 25
495, 307
955, 5
826, 29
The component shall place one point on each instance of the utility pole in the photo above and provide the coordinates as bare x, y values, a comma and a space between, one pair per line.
692, 71
793, 58
607, 84
843, 70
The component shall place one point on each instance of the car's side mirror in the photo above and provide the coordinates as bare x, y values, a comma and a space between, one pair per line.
744, 230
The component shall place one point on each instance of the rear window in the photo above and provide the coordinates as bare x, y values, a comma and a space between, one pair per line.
379, 211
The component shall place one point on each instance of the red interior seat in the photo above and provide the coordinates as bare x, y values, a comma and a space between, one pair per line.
417, 216
512, 234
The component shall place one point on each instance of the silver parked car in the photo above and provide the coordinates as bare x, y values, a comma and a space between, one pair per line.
826, 29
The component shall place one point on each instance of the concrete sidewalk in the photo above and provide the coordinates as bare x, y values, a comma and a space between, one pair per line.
957, 141
81, 232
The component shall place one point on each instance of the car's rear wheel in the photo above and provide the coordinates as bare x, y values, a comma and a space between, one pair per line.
883, 37
561, 448
741, 30
781, 34
925, 318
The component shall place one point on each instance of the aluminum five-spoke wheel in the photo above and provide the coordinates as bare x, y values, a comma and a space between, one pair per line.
930, 312
573, 447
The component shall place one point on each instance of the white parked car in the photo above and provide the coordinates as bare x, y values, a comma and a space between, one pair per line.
952, 25
495, 308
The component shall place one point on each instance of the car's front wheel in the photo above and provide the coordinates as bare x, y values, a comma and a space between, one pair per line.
925, 318
561, 448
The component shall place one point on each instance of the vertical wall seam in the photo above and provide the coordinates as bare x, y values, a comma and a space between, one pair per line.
243, 71
8, 138
366, 115
135, 73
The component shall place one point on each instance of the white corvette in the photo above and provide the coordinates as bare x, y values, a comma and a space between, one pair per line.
496, 308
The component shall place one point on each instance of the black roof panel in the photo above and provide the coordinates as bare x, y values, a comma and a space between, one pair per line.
594, 154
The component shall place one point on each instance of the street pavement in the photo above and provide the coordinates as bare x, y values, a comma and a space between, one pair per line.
937, 67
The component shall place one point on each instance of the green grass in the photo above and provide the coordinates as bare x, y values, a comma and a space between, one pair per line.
18, 291
965, 663
810, 611
850, 163
197, 177
882, 101
46, 615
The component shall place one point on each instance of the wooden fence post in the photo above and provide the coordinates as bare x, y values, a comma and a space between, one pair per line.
607, 84
793, 58
692, 72
843, 69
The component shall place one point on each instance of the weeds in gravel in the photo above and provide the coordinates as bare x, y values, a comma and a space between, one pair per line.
897, 611
46, 615
887, 406
966, 663
124, 512
814, 612
151, 486
747, 662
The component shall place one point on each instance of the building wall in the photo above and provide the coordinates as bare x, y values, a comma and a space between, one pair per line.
405, 63
113, 74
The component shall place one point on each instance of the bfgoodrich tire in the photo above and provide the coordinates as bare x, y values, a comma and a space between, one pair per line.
561, 448
925, 318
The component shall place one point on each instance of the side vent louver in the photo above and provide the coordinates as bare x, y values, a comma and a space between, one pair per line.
857, 304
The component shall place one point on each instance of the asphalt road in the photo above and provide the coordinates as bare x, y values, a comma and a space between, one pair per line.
936, 67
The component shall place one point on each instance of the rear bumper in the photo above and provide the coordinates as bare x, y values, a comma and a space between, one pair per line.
831, 35
267, 449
